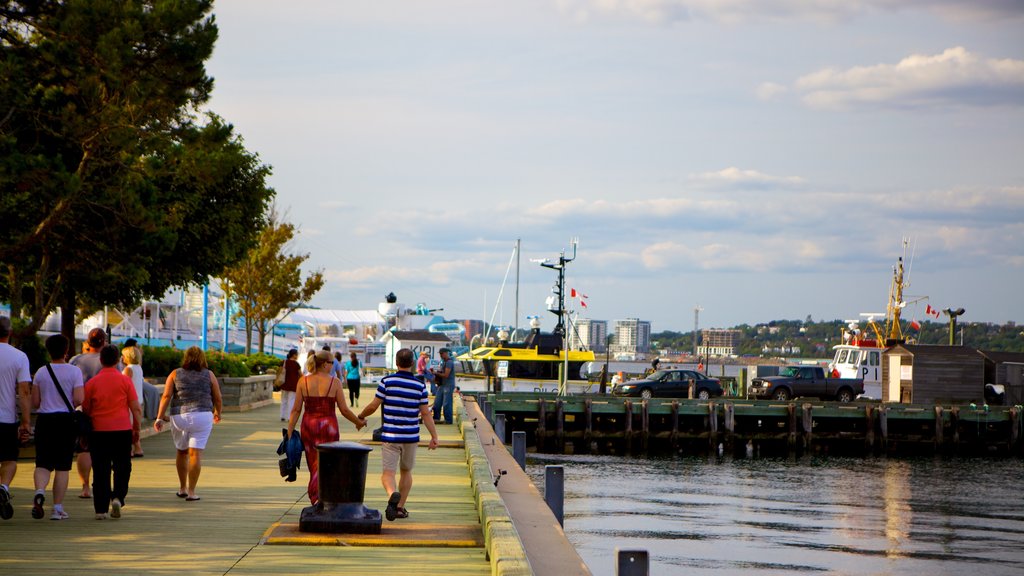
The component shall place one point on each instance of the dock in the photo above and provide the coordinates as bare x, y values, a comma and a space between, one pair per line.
604, 424
247, 519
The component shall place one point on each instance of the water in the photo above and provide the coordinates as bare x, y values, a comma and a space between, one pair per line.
847, 516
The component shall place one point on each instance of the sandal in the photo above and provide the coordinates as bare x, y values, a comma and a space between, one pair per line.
401, 513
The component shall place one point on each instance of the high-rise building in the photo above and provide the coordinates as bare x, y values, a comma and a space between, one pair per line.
632, 337
587, 334
718, 342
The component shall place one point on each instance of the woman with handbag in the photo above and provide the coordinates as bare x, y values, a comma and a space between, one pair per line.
57, 389
112, 406
193, 396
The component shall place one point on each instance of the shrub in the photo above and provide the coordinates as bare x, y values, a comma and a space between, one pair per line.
232, 365
157, 362
262, 363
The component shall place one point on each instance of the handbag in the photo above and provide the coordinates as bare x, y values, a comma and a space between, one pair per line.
279, 379
83, 424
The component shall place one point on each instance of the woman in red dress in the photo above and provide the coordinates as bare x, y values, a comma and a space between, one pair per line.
316, 397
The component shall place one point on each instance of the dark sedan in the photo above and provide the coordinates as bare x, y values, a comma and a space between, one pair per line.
671, 384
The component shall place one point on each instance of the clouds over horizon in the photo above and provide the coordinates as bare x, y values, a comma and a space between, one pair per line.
737, 11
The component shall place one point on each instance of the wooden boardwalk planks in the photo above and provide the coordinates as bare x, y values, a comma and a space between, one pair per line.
242, 497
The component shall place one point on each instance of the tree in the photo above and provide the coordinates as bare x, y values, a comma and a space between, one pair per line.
113, 188
267, 285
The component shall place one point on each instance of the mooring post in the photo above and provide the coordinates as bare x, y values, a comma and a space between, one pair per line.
560, 425
342, 483
675, 425
542, 428
791, 441
519, 448
499, 427
954, 423
869, 416
1014, 429
588, 431
883, 426
939, 425
808, 425
713, 426
730, 427
692, 382
628, 406
632, 563
645, 430
554, 491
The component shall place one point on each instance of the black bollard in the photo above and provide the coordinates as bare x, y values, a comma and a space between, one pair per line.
342, 484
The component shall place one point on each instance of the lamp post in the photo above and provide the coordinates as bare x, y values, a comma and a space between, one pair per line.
604, 373
953, 314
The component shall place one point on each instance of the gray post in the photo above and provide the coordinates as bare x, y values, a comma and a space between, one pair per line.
519, 448
554, 491
482, 401
632, 563
499, 427
489, 410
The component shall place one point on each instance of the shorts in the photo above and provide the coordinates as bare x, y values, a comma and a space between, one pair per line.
55, 440
191, 430
395, 453
10, 442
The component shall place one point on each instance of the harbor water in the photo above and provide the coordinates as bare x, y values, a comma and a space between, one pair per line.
849, 516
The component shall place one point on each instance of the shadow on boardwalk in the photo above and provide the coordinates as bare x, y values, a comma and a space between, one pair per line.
242, 496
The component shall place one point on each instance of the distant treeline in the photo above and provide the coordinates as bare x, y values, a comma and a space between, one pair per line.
816, 339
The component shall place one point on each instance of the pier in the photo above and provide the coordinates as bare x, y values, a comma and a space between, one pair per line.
247, 521
603, 424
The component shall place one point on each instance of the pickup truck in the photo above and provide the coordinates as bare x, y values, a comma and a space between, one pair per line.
794, 381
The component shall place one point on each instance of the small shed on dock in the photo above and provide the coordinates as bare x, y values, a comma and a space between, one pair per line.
922, 374
1006, 369
417, 341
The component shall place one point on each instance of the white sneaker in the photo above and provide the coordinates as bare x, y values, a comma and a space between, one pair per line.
115, 508
59, 515
101, 516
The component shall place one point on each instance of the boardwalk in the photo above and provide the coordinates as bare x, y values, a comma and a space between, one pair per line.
243, 499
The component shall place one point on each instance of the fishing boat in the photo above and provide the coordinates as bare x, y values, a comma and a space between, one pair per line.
860, 354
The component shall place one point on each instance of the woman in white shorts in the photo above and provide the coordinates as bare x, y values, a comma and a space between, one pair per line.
193, 397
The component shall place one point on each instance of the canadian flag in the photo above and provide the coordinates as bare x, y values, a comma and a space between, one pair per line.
931, 311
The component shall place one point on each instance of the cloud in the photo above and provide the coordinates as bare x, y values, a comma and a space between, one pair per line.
737, 178
956, 77
770, 90
735, 11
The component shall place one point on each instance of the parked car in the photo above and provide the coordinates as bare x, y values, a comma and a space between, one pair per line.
671, 384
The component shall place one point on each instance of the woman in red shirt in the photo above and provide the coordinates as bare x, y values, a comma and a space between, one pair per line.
112, 405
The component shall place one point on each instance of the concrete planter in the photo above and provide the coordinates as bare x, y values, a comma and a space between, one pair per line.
241, 394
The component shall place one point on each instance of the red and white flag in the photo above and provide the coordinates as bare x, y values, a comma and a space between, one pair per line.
582, 297
915, 325
931, 311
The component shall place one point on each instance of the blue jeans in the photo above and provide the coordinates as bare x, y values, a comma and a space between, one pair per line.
443, 400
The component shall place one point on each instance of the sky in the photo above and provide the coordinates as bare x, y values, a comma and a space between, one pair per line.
758, 159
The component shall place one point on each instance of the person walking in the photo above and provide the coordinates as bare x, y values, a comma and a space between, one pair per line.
421, 371
57, 389
112, 406
445, 378
192, 394
15, 379
404, 401
353, 378
292, 372
89, 363
316, 397
131, 357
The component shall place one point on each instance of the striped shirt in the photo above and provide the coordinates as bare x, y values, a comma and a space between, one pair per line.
401, 396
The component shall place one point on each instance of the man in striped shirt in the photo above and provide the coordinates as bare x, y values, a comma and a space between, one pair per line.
405, 403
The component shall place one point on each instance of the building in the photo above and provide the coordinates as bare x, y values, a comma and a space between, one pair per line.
632, 338
920, 374
587, 334
718, 342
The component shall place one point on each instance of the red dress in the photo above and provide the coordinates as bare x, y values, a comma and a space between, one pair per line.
319, 426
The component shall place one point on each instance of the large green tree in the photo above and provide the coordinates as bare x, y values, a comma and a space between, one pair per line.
267, 285
112, 186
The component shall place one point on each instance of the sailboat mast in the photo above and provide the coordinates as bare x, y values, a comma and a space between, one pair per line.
518, 251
